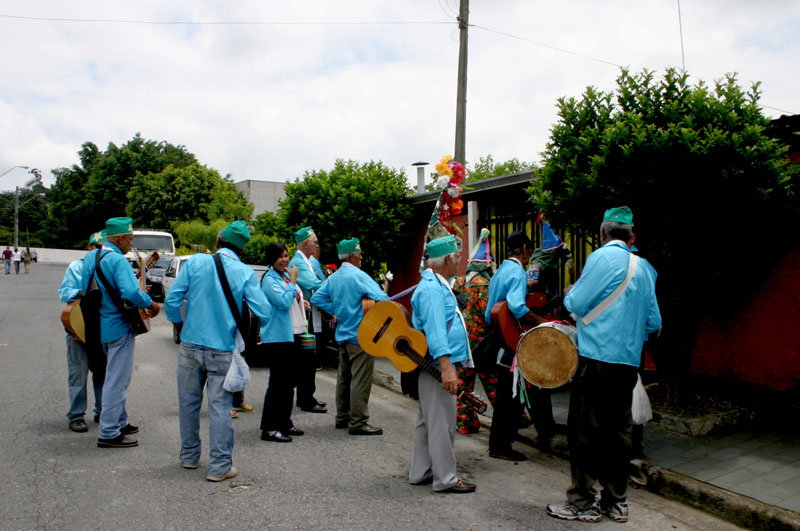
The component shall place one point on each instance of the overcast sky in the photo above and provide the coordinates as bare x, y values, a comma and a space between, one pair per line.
306, 82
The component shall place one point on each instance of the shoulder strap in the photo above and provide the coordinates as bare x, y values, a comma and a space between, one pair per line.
226, 289
111, 291
608, 301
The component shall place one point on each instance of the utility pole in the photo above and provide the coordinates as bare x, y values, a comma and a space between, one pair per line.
461, 96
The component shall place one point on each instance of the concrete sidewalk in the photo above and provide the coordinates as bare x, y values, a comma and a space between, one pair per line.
750, 478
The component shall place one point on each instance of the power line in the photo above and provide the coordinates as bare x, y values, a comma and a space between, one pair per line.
556, 48
225, 23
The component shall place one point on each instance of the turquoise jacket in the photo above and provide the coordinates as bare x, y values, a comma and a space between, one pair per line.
281, 294
306, 277
317, 268
434, 311
209, 321
616, 335
71, 285
510, 284
120, 276
341, 296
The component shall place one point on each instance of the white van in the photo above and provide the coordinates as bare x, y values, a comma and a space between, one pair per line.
147, 241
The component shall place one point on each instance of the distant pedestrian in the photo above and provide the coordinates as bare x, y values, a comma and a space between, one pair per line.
26, 259
8, 255
17, 258
612, 325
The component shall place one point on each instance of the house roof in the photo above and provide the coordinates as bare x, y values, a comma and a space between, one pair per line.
504, 183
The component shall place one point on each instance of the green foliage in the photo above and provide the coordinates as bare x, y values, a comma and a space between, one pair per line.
254, 251
694, 165
271, 224
363, 200
183, 194
198, 235
156, 183
486, 168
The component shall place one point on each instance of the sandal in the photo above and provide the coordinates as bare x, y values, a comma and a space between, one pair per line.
234, 414
245, 407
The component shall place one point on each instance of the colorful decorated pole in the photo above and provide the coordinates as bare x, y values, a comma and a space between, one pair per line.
449, 204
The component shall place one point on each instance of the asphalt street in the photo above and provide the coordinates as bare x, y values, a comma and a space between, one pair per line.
327, 479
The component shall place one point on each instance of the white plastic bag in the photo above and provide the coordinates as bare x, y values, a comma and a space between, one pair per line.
238, 374
640, 409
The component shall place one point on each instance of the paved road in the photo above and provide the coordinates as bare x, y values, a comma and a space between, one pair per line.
56, 479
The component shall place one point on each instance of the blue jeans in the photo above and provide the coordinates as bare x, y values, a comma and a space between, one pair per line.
78, 372
119, 369
8, 266
199, 366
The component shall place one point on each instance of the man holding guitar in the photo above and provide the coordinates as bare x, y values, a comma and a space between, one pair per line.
509, 284
341, 296
436, 314
115, 332
80, 360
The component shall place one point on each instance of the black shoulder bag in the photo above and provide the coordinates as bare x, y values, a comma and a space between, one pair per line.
246, 321
129, 312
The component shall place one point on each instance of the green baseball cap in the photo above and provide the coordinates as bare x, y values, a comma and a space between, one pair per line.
303, 234
442, 246
620, 215
348, 246
237, 234
115, 226
98, 237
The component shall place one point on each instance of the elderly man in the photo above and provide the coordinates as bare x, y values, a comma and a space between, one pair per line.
208, 339
118, 341
616, 305
436, 314
341, 296
79, 360
309, 283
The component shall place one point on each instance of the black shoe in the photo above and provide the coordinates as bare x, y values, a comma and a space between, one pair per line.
509, 455
275, 436
78, 426
366, 429
129, 429
318, 408
294, 432
342, 425
461, 487
120, 441
97, 418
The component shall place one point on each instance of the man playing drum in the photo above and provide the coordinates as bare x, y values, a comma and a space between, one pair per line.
616, 305
508, 284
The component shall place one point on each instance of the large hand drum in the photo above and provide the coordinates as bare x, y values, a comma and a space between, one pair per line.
547, 355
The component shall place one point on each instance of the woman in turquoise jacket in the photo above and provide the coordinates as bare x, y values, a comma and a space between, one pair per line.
287, 320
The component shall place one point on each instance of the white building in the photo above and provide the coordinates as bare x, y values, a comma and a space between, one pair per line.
263, 194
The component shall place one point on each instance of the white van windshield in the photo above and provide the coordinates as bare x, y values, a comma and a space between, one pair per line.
152, 242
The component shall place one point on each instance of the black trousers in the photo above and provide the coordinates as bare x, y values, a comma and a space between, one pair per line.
277, 412
506, 415
306, 378
599, 431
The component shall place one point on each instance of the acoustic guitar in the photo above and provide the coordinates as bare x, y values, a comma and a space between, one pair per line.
137, 317
72, 319
511, 328
385, 332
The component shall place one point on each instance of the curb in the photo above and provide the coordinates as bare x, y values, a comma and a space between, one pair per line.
735, 508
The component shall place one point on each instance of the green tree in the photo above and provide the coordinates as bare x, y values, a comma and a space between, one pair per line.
486, 168
182, 194
703, 179
363, 200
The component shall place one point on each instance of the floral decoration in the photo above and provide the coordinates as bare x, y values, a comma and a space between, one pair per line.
451, 175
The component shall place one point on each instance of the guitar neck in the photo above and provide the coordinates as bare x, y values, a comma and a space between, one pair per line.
422, 361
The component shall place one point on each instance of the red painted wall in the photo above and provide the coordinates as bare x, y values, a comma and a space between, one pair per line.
762, 343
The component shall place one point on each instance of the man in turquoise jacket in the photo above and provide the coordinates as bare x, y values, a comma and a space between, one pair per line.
609, 347
115, 332
309, 282
208, 338
436, 314
341, 296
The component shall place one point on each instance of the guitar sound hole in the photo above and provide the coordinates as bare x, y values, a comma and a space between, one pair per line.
402, 344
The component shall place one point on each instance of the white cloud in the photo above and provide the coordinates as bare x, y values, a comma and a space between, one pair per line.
272, 101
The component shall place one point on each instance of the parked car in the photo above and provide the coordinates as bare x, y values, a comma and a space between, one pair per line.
155, 276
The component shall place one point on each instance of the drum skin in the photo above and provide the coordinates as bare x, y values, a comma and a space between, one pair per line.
547, 355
